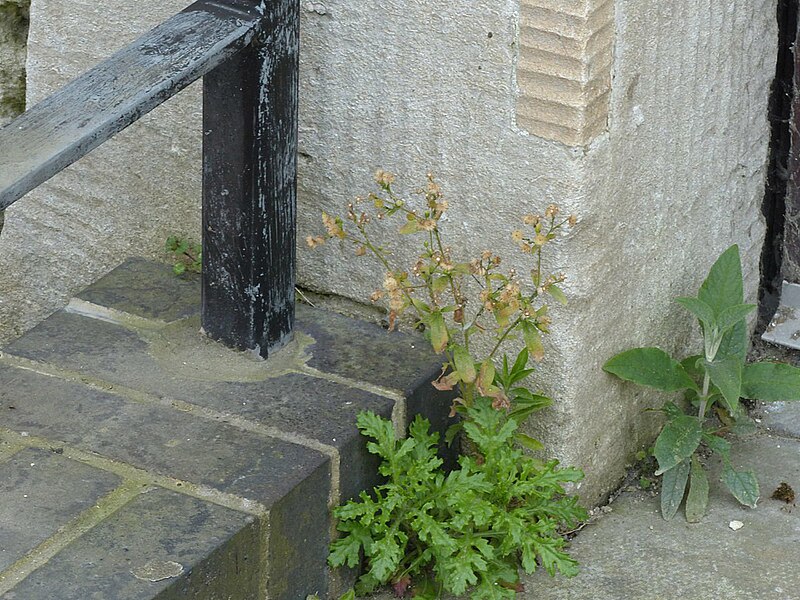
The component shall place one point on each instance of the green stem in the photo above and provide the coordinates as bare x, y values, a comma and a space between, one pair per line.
701, 413
504, 336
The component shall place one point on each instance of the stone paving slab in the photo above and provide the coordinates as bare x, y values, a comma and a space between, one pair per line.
29, 481
146, 289
633, 553
155, 438
122, 387
156, 546
177, 363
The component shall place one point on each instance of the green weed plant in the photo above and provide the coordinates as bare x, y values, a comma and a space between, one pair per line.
186, 255
712, 384
472, 529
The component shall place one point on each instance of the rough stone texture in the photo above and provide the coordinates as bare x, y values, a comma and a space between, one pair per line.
156, 438
679, 178
112, 560
98, 223
421, 85
13, 37
120, 394
29, 481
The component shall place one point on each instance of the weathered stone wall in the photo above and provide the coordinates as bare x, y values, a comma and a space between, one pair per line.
678, 179
13, 45
13, 38
666, 172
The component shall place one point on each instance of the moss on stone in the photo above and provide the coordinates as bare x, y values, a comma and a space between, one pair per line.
14, 21
12, 97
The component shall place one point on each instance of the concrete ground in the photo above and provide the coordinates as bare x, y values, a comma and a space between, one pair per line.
631, 553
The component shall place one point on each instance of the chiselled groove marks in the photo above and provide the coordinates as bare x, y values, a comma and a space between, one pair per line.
564, 68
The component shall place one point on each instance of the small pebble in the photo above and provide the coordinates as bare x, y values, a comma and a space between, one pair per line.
736, 525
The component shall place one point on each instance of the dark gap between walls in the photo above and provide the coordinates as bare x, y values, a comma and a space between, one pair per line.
774, 205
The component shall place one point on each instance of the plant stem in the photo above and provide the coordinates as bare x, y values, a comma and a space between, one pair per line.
701, 413
504, 336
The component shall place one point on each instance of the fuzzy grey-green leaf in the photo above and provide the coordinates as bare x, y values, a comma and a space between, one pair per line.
697, 499
677, 441
733, 314
701, 310
742, 484
673, 487
772, 382
651, 367
723, 287
726, 374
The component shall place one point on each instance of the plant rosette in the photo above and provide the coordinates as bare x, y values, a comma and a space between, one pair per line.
712, 383
467, 530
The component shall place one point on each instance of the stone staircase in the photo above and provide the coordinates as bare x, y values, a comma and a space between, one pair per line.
139, 460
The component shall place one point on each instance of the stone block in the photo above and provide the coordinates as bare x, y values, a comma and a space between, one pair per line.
161, 545
146, 289
157, 438
667, 171
233, 385
178, 363
41, 492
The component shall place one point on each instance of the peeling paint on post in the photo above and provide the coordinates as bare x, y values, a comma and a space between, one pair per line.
250, 106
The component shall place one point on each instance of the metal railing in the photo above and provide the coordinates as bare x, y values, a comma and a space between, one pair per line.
246, 51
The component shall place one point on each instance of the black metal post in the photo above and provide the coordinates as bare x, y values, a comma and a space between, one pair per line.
249, 188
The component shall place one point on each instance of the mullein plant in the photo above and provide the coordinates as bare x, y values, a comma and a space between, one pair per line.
501, 509
712, 383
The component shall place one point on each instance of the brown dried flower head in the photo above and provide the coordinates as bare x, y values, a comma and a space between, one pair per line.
384, 178
314, 241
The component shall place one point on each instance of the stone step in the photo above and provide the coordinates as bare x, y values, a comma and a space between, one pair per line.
140, 460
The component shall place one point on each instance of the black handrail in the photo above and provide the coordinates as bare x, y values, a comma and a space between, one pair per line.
247, 53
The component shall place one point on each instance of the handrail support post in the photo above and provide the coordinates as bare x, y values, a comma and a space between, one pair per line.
250, 108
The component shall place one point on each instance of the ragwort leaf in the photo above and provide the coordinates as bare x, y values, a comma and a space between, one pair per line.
533, 340
438, 329
464, 364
